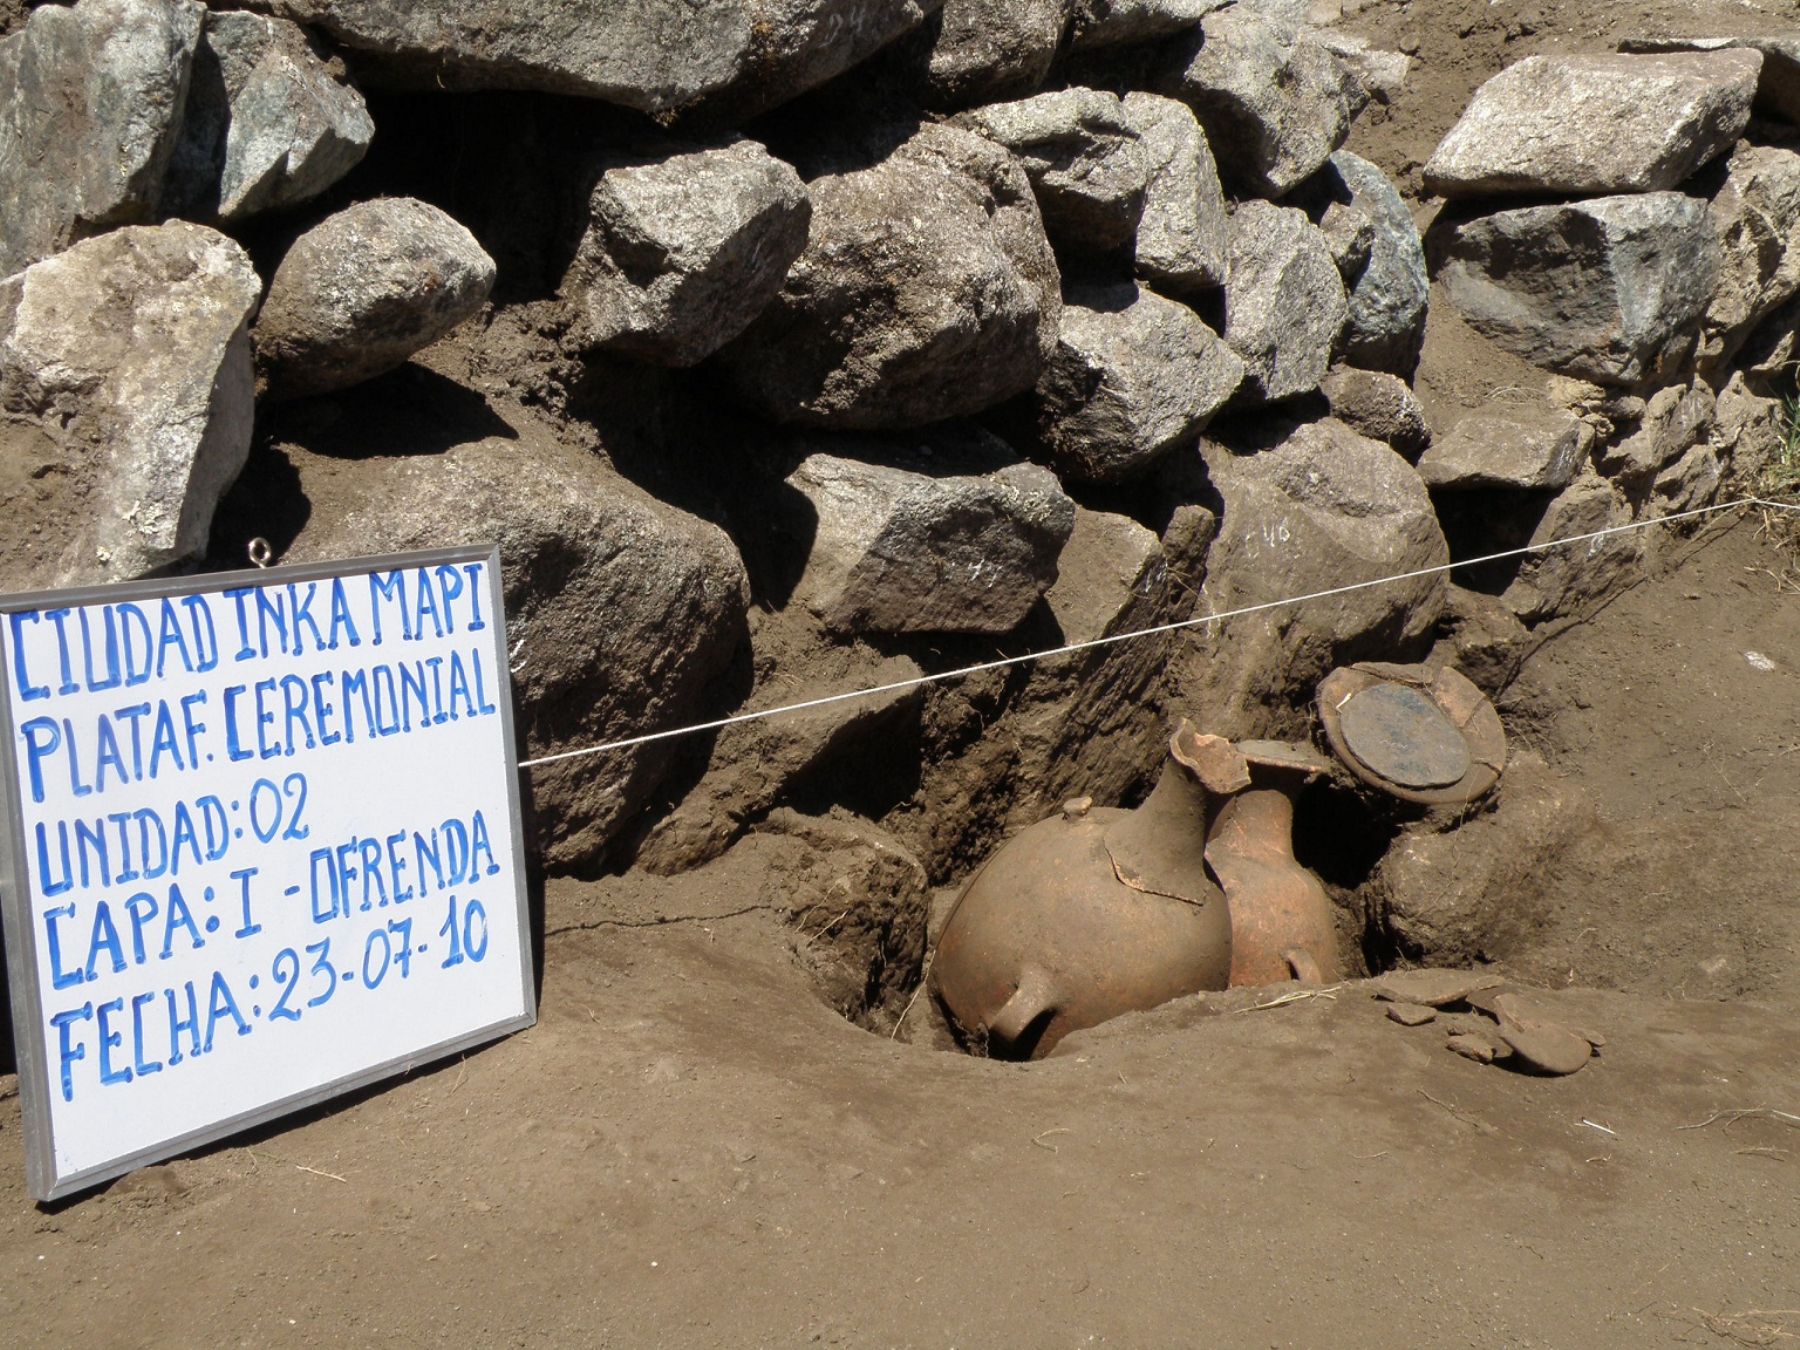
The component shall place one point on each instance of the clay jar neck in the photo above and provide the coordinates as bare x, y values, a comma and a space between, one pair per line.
1260, 821
1166, 836
1172, 823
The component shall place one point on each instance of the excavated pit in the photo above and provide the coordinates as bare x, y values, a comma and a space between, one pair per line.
1635, 842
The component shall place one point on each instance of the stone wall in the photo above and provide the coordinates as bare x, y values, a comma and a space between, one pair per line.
793, 348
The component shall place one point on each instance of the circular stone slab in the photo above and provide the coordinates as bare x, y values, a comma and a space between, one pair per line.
1400, 734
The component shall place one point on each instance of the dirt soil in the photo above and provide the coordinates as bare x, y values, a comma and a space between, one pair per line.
692, 1149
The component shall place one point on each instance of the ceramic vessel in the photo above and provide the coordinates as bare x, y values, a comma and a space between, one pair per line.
1422, 733
1093, 913
1282, 922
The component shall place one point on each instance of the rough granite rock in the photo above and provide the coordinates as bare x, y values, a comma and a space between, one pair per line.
1378, 405
128, 358
683, 249
1294, 13
1596, 124
1773, 346
1756, 215
1747, 429
1610, 289
1673, 421
1388, 298
1181, 234
1349, 234
1572, 578
622, 610
1134, 376
1317, 508
993, 49
91, 99
1111, 23
1084, 161
657, 56
1526, 446
363, 290
1381, 73
269, 121
1275, 102
927, 290
1691, 481
946, 534
1284, 300
1778, 89
1104, 568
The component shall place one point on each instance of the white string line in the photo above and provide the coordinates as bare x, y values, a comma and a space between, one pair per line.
1198, 620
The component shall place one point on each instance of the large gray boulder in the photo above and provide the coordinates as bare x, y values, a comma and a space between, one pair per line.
950, 534
91, 100
1084, 161
1275, 102
363, 290
621, 611
1756, 216
1596, 124
1778, 88
1526, 446
927, 290
683, 249
1112, 23
125, 360
1315, 507
977, 757
1385, 327
1284, 300
992, 49
655, 56
1134, 376
1181, 234
1610, 289
270, 121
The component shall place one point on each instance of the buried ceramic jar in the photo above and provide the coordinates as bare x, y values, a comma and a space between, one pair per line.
1282, 922
1093, 913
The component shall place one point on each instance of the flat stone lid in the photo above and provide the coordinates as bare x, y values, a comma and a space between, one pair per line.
1404, 736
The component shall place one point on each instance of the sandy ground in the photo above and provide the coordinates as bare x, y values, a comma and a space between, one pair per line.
692, 1149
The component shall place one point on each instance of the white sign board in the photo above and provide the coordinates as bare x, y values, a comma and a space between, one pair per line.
261, 846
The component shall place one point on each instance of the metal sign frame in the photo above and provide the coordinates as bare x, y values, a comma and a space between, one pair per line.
17, 905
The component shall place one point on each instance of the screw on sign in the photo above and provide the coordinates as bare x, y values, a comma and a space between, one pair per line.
262, 846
